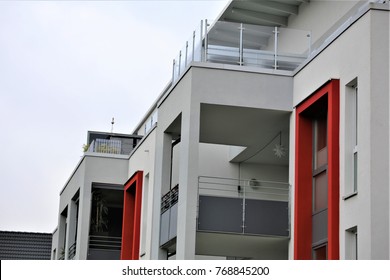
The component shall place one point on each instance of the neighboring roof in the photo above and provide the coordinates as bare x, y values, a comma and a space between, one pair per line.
25, 245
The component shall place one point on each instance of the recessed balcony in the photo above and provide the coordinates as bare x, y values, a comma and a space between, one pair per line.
244, 213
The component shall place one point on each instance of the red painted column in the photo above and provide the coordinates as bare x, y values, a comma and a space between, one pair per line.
303, 189
333, 170
303, 173
131, 225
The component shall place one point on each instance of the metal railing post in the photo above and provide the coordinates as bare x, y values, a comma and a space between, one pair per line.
173, 70
206, 43
201, 40
193, 46
309, 42
179, 62
243, 208
185, 60
241, 46
276, 32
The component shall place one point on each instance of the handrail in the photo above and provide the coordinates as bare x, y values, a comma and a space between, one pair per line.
169, 199
105, 242
243, 188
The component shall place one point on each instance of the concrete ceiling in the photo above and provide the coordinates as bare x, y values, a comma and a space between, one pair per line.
257, 130
259, 18
261, 12
241, 246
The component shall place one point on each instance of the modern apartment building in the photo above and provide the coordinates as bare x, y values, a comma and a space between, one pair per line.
271, 141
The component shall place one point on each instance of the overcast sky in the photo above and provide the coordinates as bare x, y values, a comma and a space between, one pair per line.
67, 67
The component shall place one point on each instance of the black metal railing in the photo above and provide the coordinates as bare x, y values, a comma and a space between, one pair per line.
72, 251
105, 242
169, 199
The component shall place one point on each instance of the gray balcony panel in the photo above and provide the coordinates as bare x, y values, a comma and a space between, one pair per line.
164, 228
173, 223
220, 214
266, 217
262, 217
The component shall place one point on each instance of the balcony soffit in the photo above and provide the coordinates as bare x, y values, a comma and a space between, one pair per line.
259, 18
250, 128
261, 12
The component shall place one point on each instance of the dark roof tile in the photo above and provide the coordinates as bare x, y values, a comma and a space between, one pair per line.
25, 245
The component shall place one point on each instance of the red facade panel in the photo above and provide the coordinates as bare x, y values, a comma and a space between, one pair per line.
131, 226
304, 167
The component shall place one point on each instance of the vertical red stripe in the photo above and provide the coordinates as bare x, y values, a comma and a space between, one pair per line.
131, 225
333, 170
303, 189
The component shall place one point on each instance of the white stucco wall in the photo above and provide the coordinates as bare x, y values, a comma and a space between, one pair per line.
93, 168
357, 54
142, 159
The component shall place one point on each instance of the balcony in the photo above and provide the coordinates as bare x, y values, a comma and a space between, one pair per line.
243, 219
248, 207
235, 218
272, 48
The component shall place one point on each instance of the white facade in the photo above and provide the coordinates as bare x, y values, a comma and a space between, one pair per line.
220, 123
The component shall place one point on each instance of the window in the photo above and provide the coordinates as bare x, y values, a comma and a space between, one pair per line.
351, 243
351, 138
320, 182
152, 120
355, 137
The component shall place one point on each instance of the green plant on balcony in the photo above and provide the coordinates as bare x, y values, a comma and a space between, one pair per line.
99, 220
85, 147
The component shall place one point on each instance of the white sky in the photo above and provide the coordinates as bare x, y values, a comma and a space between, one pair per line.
67, 67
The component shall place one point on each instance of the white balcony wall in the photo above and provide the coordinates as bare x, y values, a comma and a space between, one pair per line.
91, 169
180, 114
142, 159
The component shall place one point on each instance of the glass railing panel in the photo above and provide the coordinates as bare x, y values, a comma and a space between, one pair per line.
197, 44
294, 41
224, 43
245, 45
191, 51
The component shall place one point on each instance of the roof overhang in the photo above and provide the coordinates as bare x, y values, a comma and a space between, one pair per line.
261, 12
